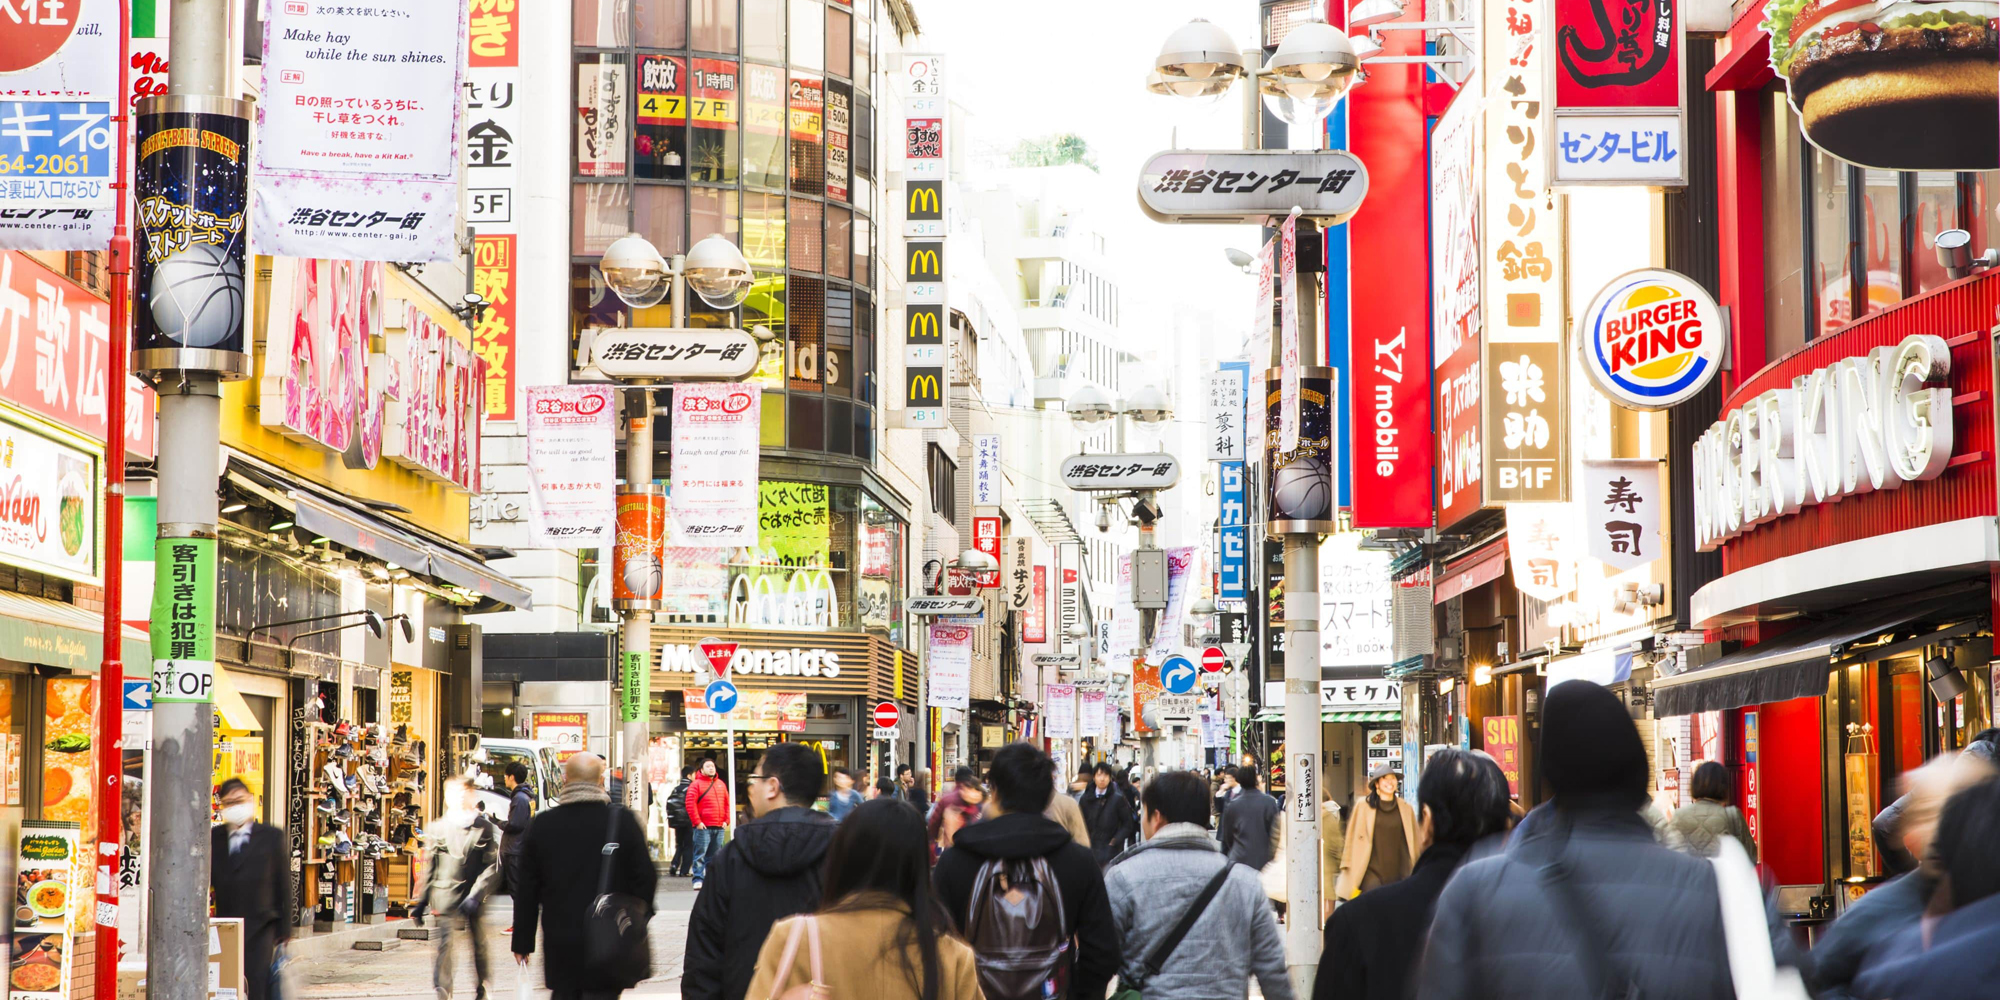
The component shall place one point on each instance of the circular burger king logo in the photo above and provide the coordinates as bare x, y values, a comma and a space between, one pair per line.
1651, 338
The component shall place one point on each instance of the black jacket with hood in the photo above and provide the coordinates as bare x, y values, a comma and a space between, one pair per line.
1078, 880
771, 870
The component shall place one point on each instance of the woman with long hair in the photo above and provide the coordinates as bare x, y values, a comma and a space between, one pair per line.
880, 934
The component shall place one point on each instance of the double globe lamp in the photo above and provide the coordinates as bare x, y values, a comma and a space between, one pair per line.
1303, 80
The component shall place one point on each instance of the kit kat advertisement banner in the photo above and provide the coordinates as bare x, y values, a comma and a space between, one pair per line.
1059, 710
948, 667
715, 464
572, 464
1618, 86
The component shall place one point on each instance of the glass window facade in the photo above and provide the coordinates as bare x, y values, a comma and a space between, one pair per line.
749, 119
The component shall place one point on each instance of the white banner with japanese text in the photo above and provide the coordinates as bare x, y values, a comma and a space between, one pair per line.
1059, 711
1622, 498
713, 494
58, 80
949, 667
986, 470
572, 464
1541, 545
1355, 629
1090, 712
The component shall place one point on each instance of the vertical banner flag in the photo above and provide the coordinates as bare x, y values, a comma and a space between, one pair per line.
638, 551
714, 492
1035, 624
1455, 312
1068, 602
358, 129
986, 470
926, 371
1622, 501
1225, 414
1090, 712
1059, 708
949, 667
1541, 546
492, 162
58, 80
572, 464
986, 538
1257, 342
189, 292
1288, 323
1618, 95
1524, 439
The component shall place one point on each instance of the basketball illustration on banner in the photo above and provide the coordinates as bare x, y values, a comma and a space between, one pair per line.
196, 296
191, 193
1301, 480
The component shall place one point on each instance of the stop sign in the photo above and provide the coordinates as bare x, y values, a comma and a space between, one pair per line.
1213, 659
887, 715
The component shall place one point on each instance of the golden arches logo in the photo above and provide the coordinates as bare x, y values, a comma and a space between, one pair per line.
926, 325
924, 261
924, 198
925, 388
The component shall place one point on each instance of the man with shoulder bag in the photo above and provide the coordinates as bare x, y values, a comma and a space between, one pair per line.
587, 882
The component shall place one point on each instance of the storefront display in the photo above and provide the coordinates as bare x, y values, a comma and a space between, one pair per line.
46, 896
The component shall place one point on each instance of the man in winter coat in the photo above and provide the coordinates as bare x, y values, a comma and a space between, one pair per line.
1382, 836
1107, 815
460, 868
1152, 886
562, 860
682, 864
708, 809
251, 880
1557, 915
520, 809
1250, 824
769, 872
1023, 780
1956, 953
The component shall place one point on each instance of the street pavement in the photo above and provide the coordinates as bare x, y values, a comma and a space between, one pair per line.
404, 972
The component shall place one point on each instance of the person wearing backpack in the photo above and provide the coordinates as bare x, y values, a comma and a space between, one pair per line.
1697, 826
1028, 898
682, 864
1194, 925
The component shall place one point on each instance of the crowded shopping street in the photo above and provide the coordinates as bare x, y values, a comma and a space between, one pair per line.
922, 500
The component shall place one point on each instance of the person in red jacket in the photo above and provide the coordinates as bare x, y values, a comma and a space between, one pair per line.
708, 810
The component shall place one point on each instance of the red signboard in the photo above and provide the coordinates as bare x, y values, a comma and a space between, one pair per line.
1035, 623
1629, 59
53, 339
887, 715
986, 538
1502, 734
1455, 312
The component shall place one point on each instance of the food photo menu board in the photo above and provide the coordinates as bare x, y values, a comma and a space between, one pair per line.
39, 961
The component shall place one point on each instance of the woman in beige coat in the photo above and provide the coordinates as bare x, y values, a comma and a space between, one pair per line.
881, 935
1368, 860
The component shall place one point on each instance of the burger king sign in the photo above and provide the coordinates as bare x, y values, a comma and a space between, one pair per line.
1651, 338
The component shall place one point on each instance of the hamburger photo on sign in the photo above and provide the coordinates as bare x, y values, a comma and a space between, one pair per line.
1895, 84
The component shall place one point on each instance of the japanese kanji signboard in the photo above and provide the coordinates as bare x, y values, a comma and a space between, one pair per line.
53, 335
1354, 597
1147, 471
1226, 390
673, 353
492, 122
986, 470
926, 372
58, 79
1019, 572
1541, 546
1223, 186
986, 538
1455, 308
1617, 68
1622, 500
1232, 492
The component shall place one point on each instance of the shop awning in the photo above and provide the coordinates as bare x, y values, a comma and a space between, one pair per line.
1362, 717
1482, 567
233, 713
38, 630
478, 579
379, 539
1794, 665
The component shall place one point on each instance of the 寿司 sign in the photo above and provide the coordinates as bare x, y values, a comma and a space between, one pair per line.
1651, 338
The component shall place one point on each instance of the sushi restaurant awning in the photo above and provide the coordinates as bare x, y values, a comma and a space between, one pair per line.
38, 630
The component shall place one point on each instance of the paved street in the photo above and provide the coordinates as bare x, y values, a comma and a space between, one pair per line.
404, 972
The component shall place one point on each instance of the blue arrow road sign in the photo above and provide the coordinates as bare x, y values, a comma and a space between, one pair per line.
138, 696
721, 697
1178, 675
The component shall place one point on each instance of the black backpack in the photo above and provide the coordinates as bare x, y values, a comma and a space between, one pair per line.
1018, 931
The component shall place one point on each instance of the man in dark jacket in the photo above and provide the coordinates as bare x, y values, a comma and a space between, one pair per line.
1106, 815
251, 880
769, 872
1557, 915
677, 820
1250, 824
520, 809
1023, 781
562, 861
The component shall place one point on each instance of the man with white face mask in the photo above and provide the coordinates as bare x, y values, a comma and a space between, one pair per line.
459, 869
251, 880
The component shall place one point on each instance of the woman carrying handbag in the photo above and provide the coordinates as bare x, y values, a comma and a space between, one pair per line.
880, 935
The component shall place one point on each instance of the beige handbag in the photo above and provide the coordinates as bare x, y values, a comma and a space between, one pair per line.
815, 989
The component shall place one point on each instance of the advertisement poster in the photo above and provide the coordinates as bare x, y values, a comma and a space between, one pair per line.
795, 523
1059, 708
1354, 599
756, 711
1455, 311
1125, 619
1290, 372
568, 732
190, 239
1300, 480
637, 556
68, 766
715, 464
323, 382
1146, 687
572, 464
60, 67
986, 538
1622, 502
600, 118
492, 121
1502, 736
48, 504
358, 129
46, 888
949, 667
1035, 623
1618, 85
839, 127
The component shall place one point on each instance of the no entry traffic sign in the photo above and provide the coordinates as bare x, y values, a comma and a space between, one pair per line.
1213, 659
887, 715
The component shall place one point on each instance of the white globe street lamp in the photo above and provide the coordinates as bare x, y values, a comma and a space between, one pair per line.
718, 272
1199, 60
1308, 74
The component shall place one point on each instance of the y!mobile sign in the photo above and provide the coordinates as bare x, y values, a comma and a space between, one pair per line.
714, 492
572, 464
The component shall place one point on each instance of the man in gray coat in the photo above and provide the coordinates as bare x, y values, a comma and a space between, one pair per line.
459, 871
1152, 886
1250, 824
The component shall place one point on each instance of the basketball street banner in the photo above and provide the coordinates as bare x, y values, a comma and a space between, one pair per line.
190, 238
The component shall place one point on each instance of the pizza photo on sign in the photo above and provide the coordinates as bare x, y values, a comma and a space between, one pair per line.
1893, 84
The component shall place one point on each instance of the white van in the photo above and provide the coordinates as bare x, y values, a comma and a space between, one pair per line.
492, 759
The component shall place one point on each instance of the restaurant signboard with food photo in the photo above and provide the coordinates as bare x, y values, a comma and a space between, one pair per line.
1896, 84
39, 961
48, 504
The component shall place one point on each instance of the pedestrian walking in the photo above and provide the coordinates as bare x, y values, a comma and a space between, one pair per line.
1332, 823
1226, 792
1698, 827
1382, 834
880, 933
1081, 783
566, 862
520, 809
1028, 899
1372, 942
1588, 905
1193, 925
678, 821
958, 806
708, 809
251, 881
920, 790
1250, 824
1064, 810
461, 865
844, 797
1957, 953
771, 870
1106, 815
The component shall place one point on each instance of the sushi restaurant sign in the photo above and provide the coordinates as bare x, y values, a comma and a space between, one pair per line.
48, 504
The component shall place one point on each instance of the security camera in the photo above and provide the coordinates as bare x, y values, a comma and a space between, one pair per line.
1103, 518
1146, 509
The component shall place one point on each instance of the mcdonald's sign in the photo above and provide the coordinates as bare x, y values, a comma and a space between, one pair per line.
926, 200
926, 387
926, 325
926, 261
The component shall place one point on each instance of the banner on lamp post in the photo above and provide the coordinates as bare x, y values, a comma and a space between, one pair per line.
572, 464
1059, 709
715, 464
190, 291
949, 667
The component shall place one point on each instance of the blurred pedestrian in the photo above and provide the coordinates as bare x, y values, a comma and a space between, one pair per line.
1226, 792
906, 780
882, 934
959, 805
885, 788
563, 865
679, 821
920, 790
1106, 815
1588, 904
1027, 898
1250, 824
252, 881
1381, 844
461, 865
1698, 827
771, 870
844, 796
1332, 840
520, 809
1065, 811
1178, 871
1957, 955
708, 809
1081, 783
1373, 941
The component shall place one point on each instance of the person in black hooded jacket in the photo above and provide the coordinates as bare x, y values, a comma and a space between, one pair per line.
769, 871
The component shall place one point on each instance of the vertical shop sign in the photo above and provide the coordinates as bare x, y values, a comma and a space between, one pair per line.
926, 372
40, 963
492, 163
1356, 625
715, 464
1622, 498
1233, 572
839, 129
1455, 309
189, 292
1524, 425
58, 79
183, 623
1035, 624
323, 384
1020, 570
986, 470
950, 667
1225, 413
1059, 707
633, 680
986, 538
1288, 326
1502, 742
1618, 109
572, 464
1541, 545
1068, 597
358, 130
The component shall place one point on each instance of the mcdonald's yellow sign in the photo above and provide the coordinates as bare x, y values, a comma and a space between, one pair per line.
926, 199
926, 387
926, 324
926, 261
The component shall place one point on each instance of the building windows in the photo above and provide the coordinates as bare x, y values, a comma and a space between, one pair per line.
943, 483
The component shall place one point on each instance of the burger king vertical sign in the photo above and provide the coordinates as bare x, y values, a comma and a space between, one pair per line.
1618, 86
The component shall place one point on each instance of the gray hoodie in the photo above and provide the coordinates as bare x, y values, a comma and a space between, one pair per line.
1152, 885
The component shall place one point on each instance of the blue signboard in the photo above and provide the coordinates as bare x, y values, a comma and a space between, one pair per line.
721, 697
1178, 675
138, 695
1233, 568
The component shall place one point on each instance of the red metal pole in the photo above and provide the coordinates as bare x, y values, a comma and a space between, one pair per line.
111, 677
